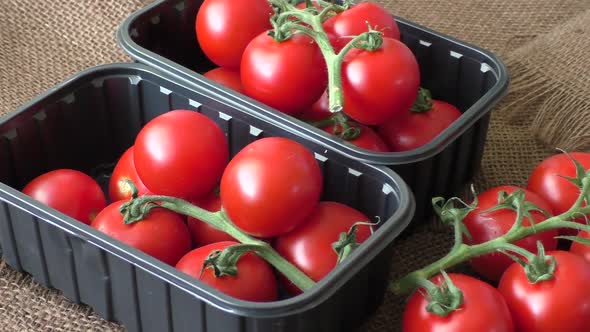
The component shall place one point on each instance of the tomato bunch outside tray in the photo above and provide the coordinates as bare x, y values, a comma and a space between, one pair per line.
539, 289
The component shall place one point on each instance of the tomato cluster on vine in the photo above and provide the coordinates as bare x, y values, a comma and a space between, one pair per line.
533, 284
288, 69
270, 190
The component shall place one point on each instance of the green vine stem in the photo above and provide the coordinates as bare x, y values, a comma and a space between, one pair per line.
462, 252
313, 19
138, 207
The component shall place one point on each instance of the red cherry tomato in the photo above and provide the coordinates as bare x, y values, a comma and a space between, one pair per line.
255, 280
162, 234
380, 85
69, 191
414, 130
225, 27
581, 249
484, 227
309, 246
119, 188
226, 77
559, 304
288, 76
355, 20
271, 186
203, 234
181, 153
368, 139
483, 310
320, 110
546, 180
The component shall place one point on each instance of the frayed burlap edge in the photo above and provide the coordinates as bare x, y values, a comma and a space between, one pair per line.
556, 113
560, 117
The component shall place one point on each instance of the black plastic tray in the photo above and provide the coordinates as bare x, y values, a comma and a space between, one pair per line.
88, 121
162, 35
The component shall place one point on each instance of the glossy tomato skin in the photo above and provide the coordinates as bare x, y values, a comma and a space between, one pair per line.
181, 153
581, 249
413, 130
546, 181
320, 110
353, 22
309, 246
225, 27
124, 170
226, 77
484, 227
271, 186
368, 139
380, 85
289, 76
559, 304
483, 310
162, 234
69, 191
201, 233
255, 280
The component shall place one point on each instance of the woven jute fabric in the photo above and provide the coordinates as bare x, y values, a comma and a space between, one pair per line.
544, 42
559, 85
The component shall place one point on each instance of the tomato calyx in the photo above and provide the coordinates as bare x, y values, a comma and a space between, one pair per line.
224, 262
371, 42
516, 202
450, 214
135, 213
540, 267
580, 173
423, 101
443, 299
343, 126
346, 244
281, 31
347, 241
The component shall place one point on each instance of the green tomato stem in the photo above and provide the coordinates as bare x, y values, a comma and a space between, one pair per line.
136, 209
315, 30
458, 234
462, 252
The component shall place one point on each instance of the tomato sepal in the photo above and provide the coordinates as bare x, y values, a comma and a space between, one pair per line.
541, 267
224, 262
449, 214
581, 173
442, 299
514, 202
423, 101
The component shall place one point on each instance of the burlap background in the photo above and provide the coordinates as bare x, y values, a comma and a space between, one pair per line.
545, 43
